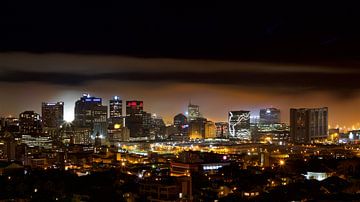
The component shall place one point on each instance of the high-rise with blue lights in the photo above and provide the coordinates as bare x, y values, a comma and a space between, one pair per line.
90, 113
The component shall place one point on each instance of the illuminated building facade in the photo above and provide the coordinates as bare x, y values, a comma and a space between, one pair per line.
222, 129
119, 134
197, 128
90, 113
354, 135
32, 141
134, 117
239, 125
115, 107
157, 127
210, 130
193, 112
30, 122
278, 133
308, 124
52, 114
147, 123
269, 116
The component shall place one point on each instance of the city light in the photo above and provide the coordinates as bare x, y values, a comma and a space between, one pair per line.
282, 162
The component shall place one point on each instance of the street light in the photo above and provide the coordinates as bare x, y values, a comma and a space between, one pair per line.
282, 162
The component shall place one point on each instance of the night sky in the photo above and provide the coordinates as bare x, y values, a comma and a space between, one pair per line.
220, 56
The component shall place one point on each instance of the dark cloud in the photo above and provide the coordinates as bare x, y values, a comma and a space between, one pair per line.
249, 31
285, 81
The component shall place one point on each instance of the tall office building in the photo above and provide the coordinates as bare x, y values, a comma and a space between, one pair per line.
181, 124
115, 106
239, 125
210, 130
134, 117
222, 129
197, 128
269, 116
52, 114
30, 122
158, 127
90, 113
193, 112
308, 124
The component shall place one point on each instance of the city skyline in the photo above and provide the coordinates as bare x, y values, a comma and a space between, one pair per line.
254, 112
147, 101
214, 98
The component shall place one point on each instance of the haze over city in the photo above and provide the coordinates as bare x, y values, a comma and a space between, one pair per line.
167, 85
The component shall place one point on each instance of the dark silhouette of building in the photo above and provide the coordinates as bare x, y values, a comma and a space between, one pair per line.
134, 117
308, 124
52, 114
181, 123
269, 116
30, 122
10, 124
90, 113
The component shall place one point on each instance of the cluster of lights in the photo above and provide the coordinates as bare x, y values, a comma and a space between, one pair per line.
232, 124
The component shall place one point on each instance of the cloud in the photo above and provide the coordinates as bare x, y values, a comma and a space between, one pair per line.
284, 81
81, 69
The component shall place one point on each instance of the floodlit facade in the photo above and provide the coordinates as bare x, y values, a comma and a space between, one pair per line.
269, 116
197, 128
193, 112
239, 125
210, 130
222, 129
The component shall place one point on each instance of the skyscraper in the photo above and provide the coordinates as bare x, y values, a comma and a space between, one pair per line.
115, 107
90, 113
239, 125
158, 127
181, 124
134, 117
193, 112
134, 107
30, 122
222, 129
269, 116
52, 114
210, 130
197, 128
308, 124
